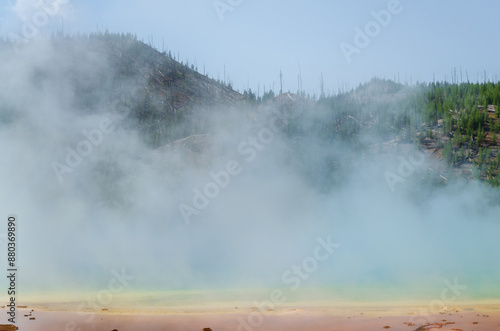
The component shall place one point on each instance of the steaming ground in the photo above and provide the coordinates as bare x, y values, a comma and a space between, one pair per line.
118, 209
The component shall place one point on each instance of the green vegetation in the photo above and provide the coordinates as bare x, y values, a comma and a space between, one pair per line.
167, 100
460, 119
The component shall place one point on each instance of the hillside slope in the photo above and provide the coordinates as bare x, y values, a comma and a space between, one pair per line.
163, 95
167, 102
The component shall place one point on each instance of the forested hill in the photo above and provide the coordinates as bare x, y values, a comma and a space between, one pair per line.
457, 123
117, 70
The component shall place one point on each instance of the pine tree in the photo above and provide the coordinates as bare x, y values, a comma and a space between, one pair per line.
480, 135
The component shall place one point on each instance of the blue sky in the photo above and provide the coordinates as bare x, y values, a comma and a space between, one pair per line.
256, 39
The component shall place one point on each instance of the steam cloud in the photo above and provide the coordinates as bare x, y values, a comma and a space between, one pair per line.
117, 206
